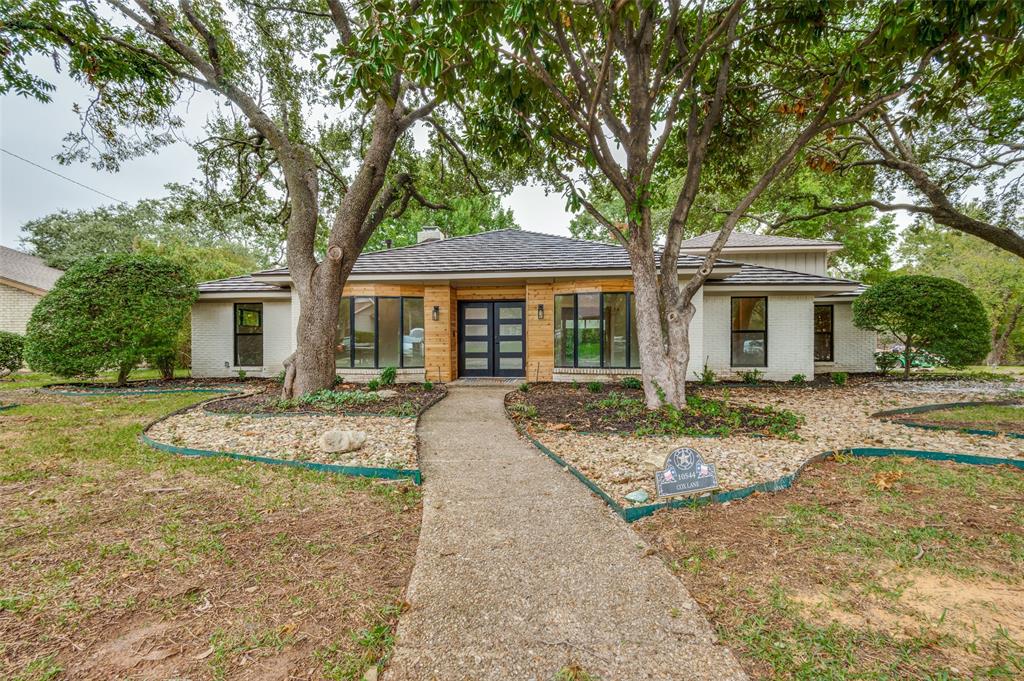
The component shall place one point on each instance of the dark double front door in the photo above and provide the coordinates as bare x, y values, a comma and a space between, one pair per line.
492, 339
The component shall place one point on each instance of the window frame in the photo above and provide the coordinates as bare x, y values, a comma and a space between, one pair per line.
235, 333
733, 332
831, 332
601, 329
376, 332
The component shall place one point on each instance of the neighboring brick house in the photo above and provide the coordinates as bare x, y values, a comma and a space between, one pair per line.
24, 280
524, 304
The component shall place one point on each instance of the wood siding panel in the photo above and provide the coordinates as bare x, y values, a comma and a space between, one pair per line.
437, 336
540, 357
594, 285
410, 290
491, 293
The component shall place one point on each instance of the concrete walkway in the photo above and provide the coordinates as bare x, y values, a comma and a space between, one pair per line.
521, 571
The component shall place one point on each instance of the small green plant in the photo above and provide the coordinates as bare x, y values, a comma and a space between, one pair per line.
631, 383
11, 348
407, 409
575, 385
338, 398
524, 387
241, 373
595, 386
280, 377
798, 379
886, 361
526, 410
428, 385
373, 384
839, 377
752, 377
388, 376
707, 375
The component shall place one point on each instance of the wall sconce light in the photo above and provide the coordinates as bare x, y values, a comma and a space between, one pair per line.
435, 314
540, 311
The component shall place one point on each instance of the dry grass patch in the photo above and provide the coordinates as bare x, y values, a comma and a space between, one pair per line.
119, 561
867, 568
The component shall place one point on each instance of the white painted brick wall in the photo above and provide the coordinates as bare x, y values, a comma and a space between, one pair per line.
15, 308
853, 349
790, 336
213, 341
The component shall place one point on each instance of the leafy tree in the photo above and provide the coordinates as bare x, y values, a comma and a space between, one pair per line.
12, 346
937, 315
458, 205
320, 96
929, 162
633, 92
994, 275
111, 311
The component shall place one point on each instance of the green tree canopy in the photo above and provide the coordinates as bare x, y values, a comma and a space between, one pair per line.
111, 311
933, 314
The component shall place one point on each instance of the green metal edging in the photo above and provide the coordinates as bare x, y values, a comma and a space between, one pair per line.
116, 393
634, 513
270, 415
5, 407
357, 471
924, 409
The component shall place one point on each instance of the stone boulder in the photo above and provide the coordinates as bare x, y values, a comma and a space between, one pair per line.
342, 440
386, 394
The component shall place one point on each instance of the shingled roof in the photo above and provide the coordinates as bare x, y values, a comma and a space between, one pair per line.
28, 270
747, 240
501, 250
753, 275
242, 284
513, 250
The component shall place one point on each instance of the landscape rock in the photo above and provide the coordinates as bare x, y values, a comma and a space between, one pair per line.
386, 394
637, 497
342, 440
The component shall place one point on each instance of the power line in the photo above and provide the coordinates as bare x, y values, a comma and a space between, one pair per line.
63, 177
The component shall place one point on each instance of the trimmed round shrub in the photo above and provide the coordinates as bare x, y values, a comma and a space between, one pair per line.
109, 312
12, 346
927, 314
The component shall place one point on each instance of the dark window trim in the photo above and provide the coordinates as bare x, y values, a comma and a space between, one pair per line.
831, 333
732, 331
376, 331
576, 329
236, 333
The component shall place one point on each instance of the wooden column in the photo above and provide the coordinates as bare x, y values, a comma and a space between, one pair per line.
540, 345
438, 334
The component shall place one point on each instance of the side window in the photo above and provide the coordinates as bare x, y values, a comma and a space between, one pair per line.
824, 319
750, 332
249, 334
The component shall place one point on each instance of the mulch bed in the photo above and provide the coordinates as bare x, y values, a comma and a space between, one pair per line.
570, 407
266, 401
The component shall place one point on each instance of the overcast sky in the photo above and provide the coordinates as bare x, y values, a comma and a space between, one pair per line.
34, 131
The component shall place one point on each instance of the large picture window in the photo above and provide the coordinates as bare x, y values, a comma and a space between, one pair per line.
379, 332
824, 338
749, 332
248, 334
596, 330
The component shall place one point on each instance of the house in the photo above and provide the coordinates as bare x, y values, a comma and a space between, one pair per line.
24, 280
523, 304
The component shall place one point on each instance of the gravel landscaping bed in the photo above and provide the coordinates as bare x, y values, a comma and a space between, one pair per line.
834, 418
402, 399
390, 441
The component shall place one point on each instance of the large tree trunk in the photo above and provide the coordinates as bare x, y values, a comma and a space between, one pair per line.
1001, 337
663, 333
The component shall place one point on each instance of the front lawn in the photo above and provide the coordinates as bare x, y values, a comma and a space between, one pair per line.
121, 561
1001, 417
865, 569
